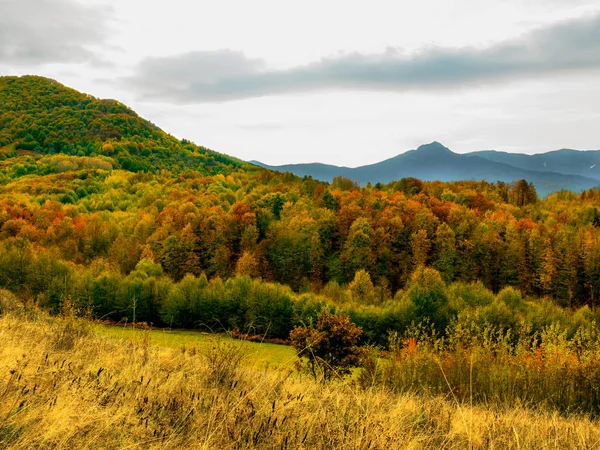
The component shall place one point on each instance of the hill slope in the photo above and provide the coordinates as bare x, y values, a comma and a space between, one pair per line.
41, 115
167, 246
435, 162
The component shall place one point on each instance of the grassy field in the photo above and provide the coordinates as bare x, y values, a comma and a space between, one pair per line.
68, 384
259, 355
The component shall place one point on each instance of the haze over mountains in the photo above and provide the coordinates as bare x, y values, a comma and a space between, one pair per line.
549, 172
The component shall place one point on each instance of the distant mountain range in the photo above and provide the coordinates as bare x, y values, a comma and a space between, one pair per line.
549, 172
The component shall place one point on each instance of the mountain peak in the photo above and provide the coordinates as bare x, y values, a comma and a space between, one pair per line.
435, 148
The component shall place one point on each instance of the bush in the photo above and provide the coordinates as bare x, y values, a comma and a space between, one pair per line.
330, 348
427, 292
223, 360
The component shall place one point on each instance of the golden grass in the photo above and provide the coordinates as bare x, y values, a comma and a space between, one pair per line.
62, 385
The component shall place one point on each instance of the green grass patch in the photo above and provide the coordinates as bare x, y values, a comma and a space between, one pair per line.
260, 355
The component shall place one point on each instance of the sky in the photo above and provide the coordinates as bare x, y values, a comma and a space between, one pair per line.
339, 82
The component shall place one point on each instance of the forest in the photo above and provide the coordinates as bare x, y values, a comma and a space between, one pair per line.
479, 293
100, 208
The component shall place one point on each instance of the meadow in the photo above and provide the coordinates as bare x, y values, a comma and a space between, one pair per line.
273, 356
68, 383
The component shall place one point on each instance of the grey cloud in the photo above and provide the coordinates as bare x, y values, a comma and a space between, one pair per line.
206, 67
51, 31
224, 75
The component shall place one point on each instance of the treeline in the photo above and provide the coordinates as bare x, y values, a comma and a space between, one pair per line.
256, 307
304, 233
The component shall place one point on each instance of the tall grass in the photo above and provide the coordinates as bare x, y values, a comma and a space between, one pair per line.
97, 393
548, 370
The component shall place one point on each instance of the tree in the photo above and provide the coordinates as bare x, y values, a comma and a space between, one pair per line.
343, 183
445, 252
357, 252
427, 292
591, 253
247, 265
362, 288
178, 254
330, 348
420, 245
522, 193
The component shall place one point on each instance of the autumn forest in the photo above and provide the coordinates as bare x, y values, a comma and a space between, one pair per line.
104, 216
111, 201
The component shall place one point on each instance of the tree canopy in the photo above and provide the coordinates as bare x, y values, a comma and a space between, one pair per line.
100, 207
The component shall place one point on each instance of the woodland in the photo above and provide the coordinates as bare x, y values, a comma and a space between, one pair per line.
94, 195
105, 216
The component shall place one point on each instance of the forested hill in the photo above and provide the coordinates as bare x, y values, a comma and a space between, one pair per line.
42, 116
102, 211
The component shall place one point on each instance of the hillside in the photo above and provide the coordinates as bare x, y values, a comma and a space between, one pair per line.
472, 295
435, 162
42, 116
174, 247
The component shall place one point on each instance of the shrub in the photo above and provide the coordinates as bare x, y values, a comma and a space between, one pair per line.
330, 348
427, 292
223, 360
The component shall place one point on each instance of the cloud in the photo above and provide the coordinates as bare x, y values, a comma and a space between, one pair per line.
224, 75
51, 31
168, 74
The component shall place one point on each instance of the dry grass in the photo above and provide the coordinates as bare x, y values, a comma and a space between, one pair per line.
63, 386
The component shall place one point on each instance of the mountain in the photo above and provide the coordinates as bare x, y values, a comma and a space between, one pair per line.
436, 162
572, 162
41, 116
323, 172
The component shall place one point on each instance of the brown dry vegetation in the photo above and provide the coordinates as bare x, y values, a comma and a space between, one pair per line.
62, 386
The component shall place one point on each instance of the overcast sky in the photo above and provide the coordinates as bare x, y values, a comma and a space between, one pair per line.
341, 82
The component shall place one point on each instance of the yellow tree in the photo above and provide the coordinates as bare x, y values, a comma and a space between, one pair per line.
361, 288
548, 269
420, 246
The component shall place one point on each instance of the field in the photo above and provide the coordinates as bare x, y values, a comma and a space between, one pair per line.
259, 355
66, 383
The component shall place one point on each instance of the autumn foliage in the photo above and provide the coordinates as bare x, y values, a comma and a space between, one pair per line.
102, 210
330, 348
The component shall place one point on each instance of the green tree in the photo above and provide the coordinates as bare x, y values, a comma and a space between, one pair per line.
427, 292
445, 252
357, 252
